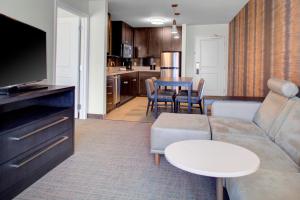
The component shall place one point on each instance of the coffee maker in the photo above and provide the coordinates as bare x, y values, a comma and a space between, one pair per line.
127, 63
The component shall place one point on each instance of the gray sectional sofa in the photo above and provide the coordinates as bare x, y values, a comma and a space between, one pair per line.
271, 130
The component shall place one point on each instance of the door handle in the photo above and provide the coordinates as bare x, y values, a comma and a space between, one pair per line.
197, 68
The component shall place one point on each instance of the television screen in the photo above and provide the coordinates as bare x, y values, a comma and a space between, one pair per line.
22, 53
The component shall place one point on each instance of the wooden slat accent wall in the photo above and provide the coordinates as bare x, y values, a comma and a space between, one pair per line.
264, 42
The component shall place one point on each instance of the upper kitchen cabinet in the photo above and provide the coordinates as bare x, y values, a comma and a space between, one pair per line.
167, 39
176, 43
127, 34
155, 42
140, 42
122, 33
109, 35
169, 43
150, 42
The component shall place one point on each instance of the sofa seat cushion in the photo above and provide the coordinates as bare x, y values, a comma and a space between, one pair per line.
271, 155
174, 127
264, 185
223, 127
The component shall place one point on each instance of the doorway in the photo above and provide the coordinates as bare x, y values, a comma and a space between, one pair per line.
210, 64
72, 54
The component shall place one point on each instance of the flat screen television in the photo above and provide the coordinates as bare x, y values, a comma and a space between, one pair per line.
22, 53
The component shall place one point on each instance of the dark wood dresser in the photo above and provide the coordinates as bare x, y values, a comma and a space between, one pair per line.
36, 134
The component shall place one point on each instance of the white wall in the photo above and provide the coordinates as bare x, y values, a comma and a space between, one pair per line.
38, 13
194, 31
97, 71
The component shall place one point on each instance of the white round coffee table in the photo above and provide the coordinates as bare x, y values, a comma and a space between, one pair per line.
212, 158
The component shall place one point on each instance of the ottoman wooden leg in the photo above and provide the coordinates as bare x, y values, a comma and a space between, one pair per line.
157, 159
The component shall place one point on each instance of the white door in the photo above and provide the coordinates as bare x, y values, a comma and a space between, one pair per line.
68, 54
210, 65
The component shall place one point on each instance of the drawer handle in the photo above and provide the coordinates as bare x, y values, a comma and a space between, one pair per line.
134, 80
109, 93
18, 165
109, 86
38, 130
125, 82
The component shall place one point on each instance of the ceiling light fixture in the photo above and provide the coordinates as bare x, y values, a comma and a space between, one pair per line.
157, 21
174, 27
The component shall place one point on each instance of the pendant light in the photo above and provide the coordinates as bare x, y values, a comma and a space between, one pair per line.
174, 27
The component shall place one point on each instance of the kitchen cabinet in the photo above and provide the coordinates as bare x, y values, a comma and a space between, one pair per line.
142, 78
150, 42
167, 39
110, 93
155, 42
140, 42
176, 43
122, 33
127, 34
109, 35
129, 86
169, 43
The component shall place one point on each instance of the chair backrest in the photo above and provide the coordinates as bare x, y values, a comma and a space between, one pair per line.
200, 88
149, 87
269, 115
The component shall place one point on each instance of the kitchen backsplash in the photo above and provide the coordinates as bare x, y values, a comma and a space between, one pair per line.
116, 61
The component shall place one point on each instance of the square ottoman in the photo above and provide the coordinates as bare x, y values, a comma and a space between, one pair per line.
175, 127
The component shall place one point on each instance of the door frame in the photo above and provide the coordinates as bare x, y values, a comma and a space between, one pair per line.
84, 53
225, 78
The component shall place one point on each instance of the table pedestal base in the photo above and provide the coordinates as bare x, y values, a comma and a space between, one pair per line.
219, 188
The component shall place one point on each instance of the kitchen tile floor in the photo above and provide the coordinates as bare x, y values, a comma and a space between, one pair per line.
135, 111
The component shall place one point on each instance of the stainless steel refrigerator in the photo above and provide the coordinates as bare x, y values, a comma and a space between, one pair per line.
170, 64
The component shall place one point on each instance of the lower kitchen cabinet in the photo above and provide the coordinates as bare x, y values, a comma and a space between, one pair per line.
142, 78
110, 93
129, 86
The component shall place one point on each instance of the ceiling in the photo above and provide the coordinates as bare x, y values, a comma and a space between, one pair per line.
64, 13
137, 12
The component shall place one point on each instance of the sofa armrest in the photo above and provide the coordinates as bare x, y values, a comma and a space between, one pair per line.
236, 109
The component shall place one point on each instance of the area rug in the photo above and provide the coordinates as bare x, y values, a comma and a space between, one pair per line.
112, 162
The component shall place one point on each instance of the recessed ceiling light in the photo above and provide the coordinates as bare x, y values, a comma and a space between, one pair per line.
157, 21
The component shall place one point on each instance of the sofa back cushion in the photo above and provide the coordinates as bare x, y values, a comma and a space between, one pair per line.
274, 104
288, 136
268, 111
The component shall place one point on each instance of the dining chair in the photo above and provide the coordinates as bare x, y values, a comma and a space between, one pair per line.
163, 96
196, 96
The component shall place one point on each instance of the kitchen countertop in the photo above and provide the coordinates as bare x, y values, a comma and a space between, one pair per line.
111, 71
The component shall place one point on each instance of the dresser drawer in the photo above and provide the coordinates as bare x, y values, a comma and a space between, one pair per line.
23, 138
23, 170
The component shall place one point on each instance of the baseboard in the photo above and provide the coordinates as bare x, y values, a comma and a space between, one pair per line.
95, 116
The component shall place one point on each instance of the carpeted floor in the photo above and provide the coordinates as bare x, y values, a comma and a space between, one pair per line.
112, 161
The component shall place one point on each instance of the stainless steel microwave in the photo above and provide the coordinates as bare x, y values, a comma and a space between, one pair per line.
126, 51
